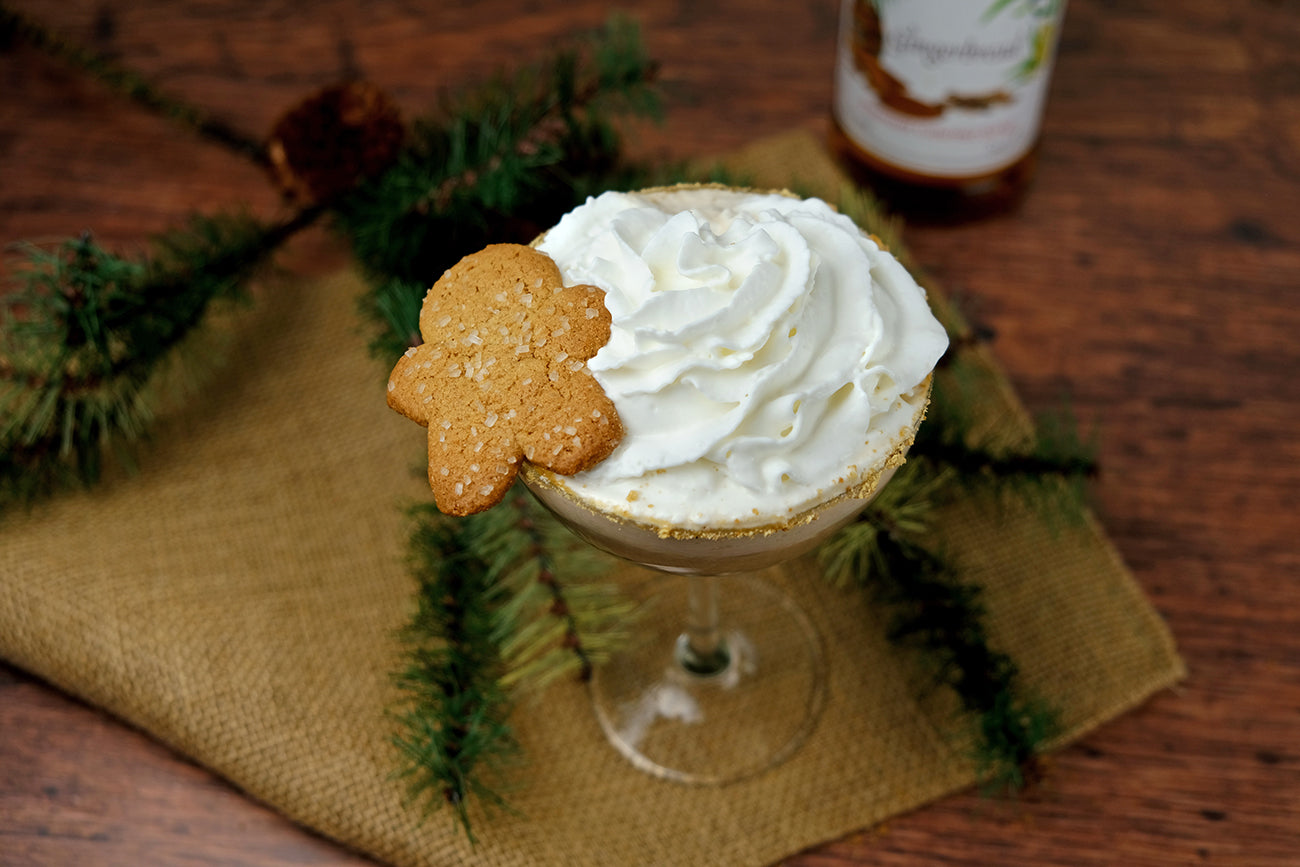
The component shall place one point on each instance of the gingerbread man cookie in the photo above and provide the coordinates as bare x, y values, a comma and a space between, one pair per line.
501, 376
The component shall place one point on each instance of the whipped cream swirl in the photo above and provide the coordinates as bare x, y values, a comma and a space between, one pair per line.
761, 351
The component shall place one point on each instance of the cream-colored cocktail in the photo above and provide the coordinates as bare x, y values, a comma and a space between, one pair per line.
769, 362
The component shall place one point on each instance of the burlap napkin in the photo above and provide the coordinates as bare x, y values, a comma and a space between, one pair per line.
237, 598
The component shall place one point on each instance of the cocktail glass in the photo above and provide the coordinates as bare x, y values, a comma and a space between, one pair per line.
733, 683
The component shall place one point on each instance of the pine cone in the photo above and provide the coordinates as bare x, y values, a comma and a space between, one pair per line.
333, 139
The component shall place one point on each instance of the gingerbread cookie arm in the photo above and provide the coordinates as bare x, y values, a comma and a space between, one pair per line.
409, 385
579, 434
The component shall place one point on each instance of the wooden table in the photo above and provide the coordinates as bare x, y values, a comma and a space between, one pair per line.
1151, 277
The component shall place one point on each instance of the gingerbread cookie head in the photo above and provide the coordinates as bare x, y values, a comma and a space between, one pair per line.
502, 377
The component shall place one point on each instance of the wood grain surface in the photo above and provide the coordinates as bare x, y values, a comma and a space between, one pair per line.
1150, 277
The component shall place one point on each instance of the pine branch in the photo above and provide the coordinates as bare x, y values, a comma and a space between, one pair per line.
15, 25
1062, 458
560, 608
941, 617
1045, 465
1047, 470
500, 162
555, 622
1056, 458
494, 621
85, 332
453, 717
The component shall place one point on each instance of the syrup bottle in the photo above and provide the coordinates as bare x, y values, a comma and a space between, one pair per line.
938, 104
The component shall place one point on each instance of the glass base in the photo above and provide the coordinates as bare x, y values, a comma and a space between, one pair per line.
673, 715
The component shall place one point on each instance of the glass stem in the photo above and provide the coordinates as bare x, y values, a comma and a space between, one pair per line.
702, 650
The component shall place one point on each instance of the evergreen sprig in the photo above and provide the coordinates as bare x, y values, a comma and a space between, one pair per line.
888, 552
453, 719
85, 331
16, 26
504, 608
496, 163
1047, 465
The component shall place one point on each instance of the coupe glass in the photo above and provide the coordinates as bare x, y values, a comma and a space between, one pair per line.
727, 677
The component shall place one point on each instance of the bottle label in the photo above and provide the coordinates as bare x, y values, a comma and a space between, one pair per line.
946, 88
